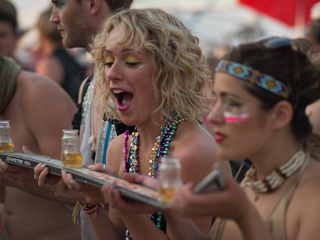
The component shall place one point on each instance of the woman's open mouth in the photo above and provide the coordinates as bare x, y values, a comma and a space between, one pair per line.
123, 99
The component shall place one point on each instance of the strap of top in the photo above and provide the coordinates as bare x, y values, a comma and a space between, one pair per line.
9, 74
76, 122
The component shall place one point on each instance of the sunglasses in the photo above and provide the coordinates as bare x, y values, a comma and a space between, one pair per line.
277, 44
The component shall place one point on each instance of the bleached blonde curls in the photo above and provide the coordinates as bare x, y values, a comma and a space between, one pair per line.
181, 76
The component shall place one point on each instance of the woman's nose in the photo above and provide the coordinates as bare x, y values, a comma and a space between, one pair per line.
114, 72
215, 115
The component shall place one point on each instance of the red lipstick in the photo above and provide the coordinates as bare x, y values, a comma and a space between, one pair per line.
219, 137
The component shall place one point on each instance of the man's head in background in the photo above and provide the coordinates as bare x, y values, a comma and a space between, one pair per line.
8, 28
80, 20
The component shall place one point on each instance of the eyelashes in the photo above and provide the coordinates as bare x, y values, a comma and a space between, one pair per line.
129, 64
132, 64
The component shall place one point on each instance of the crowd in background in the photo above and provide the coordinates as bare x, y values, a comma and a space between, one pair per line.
44, 49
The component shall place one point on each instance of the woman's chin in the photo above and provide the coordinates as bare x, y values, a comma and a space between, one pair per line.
127, 120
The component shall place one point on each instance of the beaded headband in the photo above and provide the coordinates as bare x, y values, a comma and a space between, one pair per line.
253, 76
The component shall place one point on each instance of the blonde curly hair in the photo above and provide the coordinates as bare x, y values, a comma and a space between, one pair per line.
181, 75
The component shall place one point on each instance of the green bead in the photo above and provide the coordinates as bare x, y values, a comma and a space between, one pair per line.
165, 152
174, 127
167, 145
168, 139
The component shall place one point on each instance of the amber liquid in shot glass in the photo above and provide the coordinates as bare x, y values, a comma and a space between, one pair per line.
166, 193
6, 144
169, 179
72, 160
6, 147
70, 152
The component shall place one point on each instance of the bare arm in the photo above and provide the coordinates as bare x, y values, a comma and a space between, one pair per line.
103, 227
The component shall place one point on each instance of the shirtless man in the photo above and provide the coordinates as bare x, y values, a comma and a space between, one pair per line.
78, 32
38, 110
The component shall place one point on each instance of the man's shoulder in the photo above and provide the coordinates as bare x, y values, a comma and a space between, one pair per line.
30, 82
28, 77
37, 88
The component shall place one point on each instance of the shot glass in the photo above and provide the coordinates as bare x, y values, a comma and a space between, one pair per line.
169, 179
70, 151
6, 144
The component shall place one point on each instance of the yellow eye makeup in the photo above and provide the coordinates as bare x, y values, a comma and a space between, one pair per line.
129, 61
132, 62
109, 61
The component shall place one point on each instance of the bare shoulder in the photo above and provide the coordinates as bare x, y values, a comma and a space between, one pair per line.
304, 209
310, 181
194, 140
309, 185
196, 149
44, 100
31, 79
35, 87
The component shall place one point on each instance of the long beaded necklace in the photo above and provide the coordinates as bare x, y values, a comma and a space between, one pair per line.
276, 178
159, 150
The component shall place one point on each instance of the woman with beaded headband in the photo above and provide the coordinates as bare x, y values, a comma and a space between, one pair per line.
262, 90
155, 73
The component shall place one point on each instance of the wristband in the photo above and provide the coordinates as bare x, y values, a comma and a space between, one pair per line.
87, 208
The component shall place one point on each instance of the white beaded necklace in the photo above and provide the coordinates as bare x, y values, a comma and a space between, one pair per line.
276, 178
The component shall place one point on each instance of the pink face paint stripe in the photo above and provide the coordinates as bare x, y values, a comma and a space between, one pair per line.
233, 118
